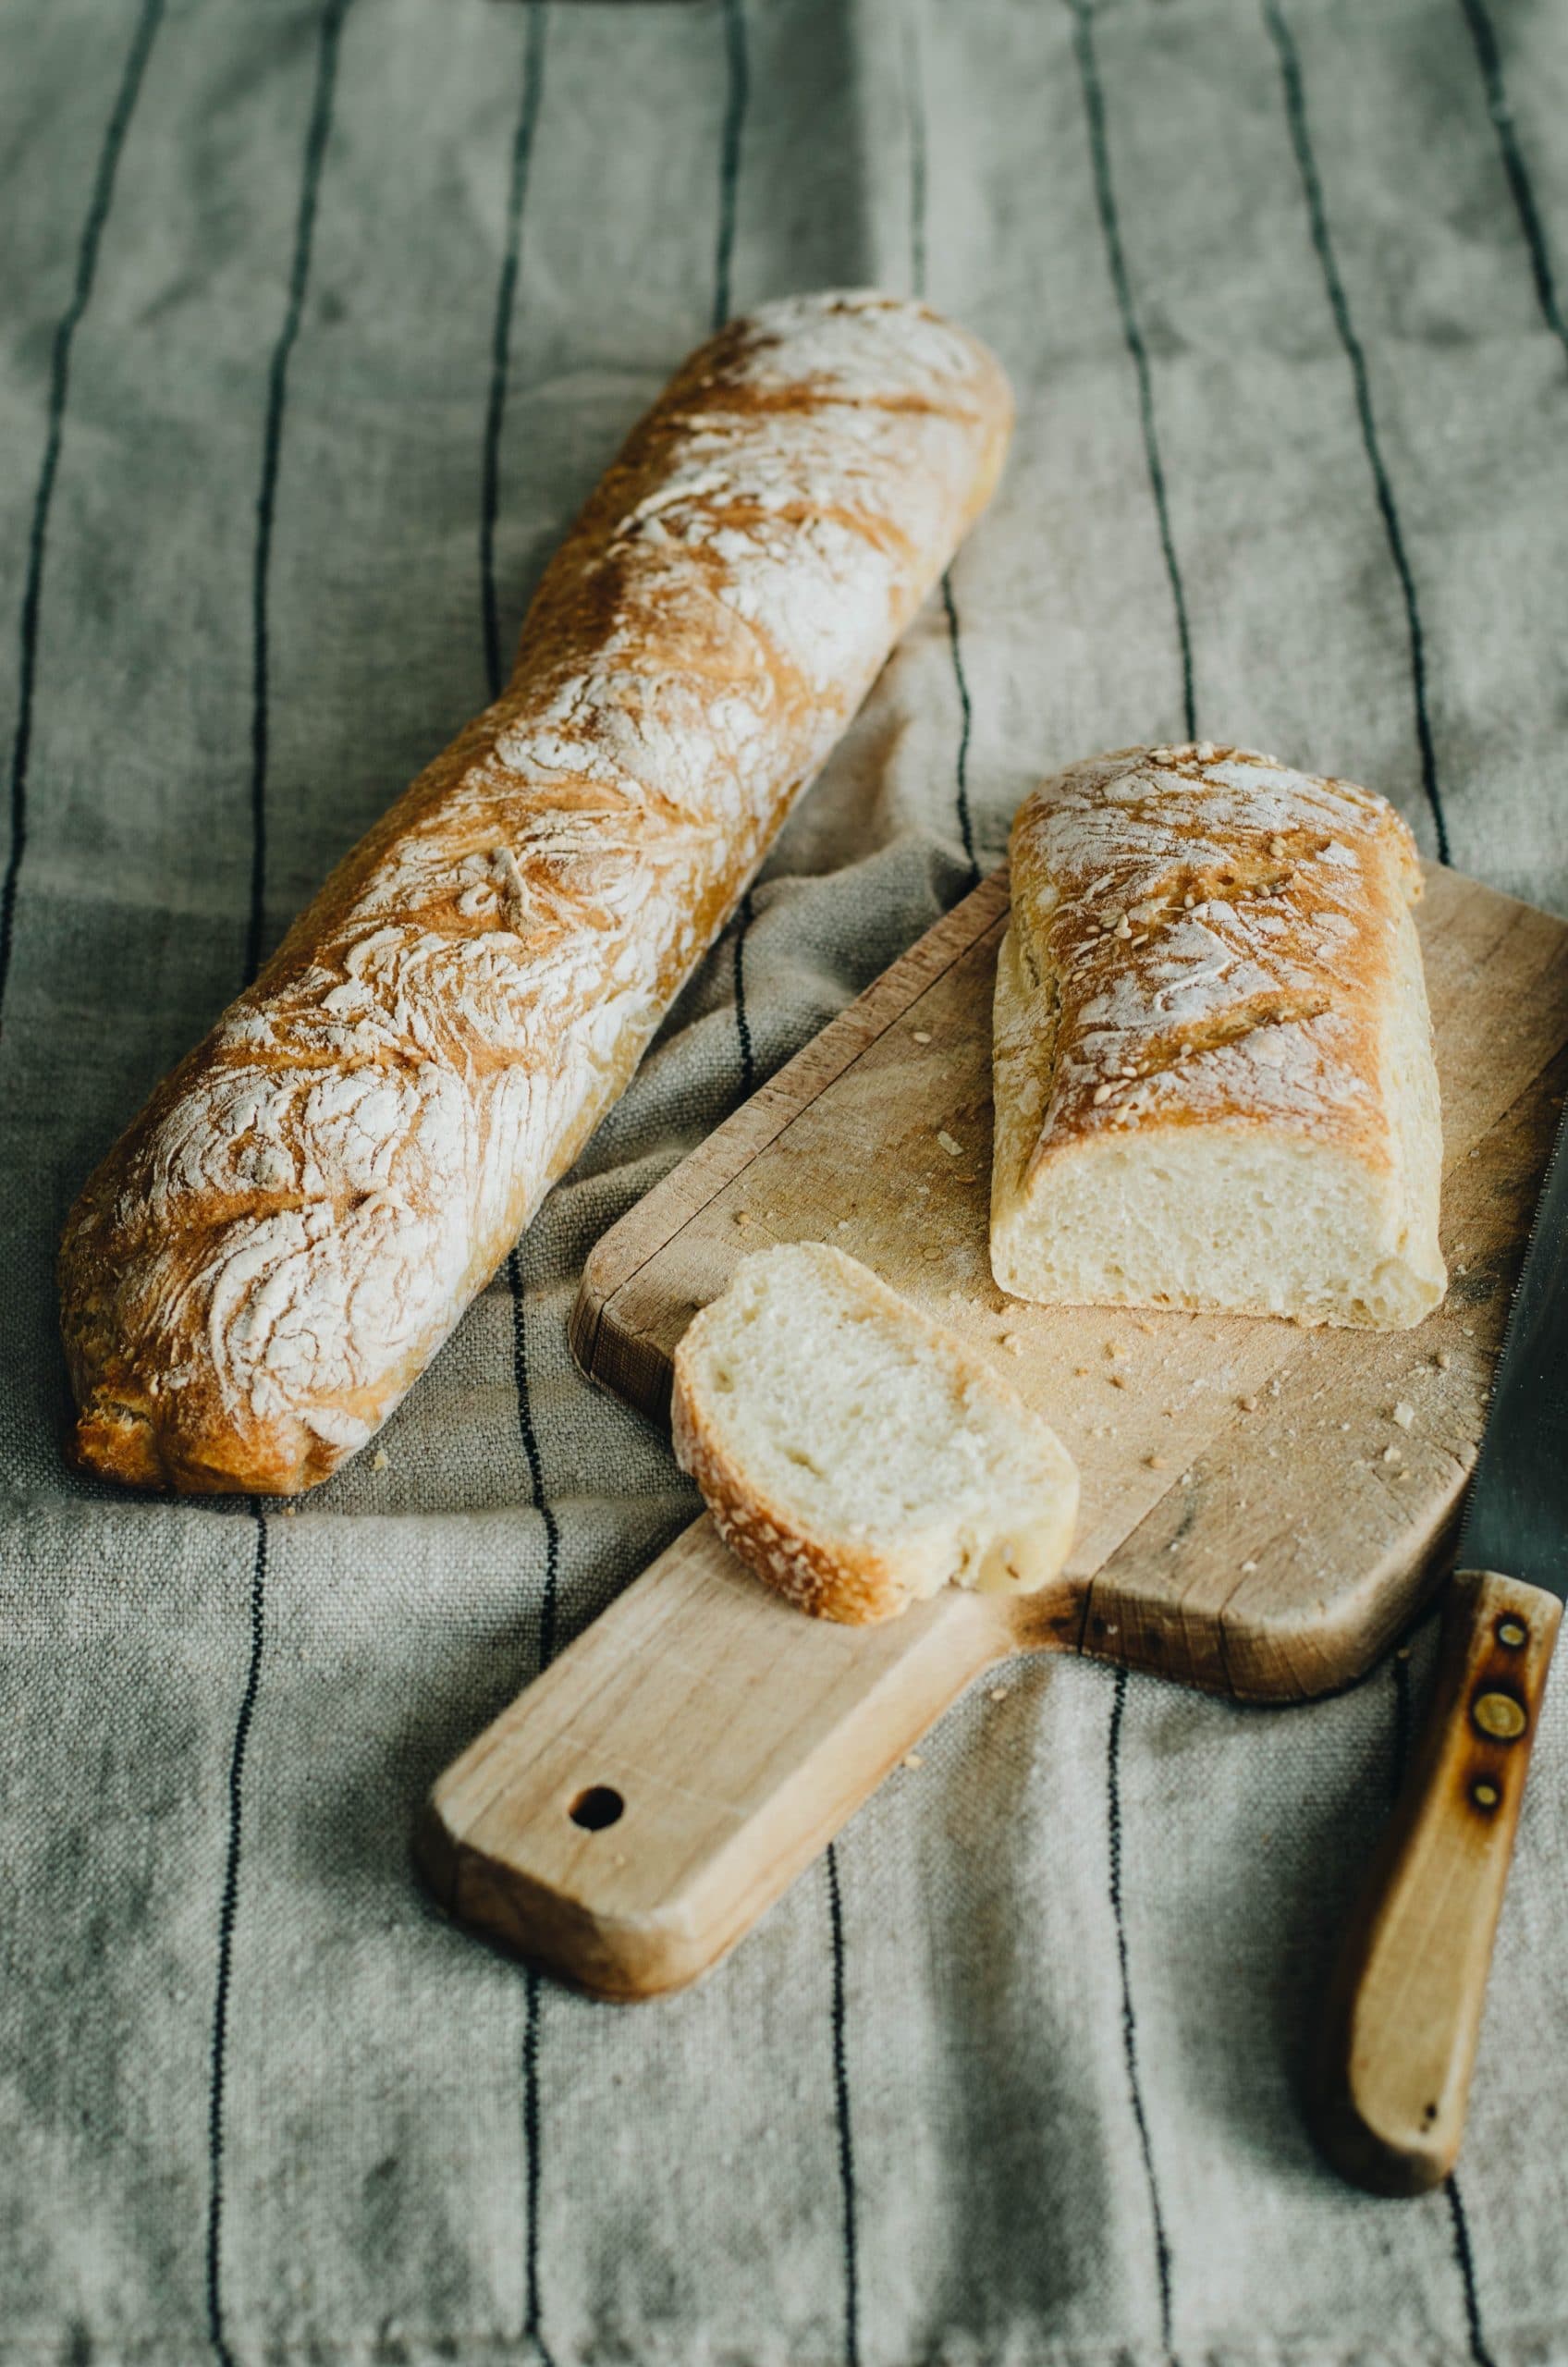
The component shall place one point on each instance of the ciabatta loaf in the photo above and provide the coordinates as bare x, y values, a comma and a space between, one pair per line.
1213, 1060
287, 1233
855, 1454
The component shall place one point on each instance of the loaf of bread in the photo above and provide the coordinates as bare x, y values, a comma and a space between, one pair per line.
1213, 1060
291, 1229
856, 1455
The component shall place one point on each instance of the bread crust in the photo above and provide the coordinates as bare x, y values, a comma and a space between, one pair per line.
274, 1250
827, 1575
1202, 939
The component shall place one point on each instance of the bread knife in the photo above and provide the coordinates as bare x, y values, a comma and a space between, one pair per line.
1399, 2043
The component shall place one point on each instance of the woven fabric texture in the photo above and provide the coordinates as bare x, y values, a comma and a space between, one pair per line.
320, 318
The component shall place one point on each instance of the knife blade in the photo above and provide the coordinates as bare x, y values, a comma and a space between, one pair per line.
1398, 2039
1516, 1517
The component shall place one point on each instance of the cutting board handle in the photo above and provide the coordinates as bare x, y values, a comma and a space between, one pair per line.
637, 1807
1406, 2005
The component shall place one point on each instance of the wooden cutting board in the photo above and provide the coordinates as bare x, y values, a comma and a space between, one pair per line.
1264, 1506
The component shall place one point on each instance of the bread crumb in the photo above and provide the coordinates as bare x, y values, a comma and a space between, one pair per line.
954, 1150
1012, 1343
1247, 1404
1112, 1349
997, 1693
1101, 1095
1117, 1379
378, 1461
1392, 1455
1154, 1462
1442, 1360
1403, 1414
1274, 1386
742, 1216
922, 1036
1468, 1330
1247, 1567
914, 1759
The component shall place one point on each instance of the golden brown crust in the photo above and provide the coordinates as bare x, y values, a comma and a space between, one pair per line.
280, 1242
856, 1589
1215, 1085
1190, 902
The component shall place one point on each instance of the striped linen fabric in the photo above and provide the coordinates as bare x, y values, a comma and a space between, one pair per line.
319, 319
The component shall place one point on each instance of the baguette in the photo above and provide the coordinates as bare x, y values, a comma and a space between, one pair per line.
1215, 1085
274, 1251
856, 1455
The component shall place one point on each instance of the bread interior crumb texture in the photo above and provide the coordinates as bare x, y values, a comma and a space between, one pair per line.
856, 1453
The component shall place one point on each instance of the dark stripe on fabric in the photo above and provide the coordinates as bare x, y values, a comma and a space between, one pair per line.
532, 2151
737, 100
229, 1907
841, 2107
99, 203
1110, 226
501, 342
743, 1023
1306, 163
1462, 2254
316, 136
730, 154
1129, 2019
529, 106
1483, 36
533, 2154
531, 1450
914, 101
965, 825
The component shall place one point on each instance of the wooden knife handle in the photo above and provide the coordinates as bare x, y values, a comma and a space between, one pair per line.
1405, 2005
636, 1809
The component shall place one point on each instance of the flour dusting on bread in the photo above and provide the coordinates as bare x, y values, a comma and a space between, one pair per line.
1214, 1073
856, 1454
274, 1251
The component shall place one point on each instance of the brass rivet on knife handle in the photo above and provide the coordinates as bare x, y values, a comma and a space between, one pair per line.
1393, 2075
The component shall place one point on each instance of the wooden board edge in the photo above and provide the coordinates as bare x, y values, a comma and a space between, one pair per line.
621, 1253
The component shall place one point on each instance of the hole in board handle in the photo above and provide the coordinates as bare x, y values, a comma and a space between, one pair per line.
596, 1808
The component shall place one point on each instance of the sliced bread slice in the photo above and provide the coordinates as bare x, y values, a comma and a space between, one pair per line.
855, 1454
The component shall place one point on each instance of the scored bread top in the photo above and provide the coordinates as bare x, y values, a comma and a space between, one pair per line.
272, 1252
1222, 936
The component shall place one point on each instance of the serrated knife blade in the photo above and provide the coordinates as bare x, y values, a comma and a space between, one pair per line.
1404, 2006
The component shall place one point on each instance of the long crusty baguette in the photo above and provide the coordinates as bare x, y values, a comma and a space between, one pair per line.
291, 1229
854, 1454
1215, 1085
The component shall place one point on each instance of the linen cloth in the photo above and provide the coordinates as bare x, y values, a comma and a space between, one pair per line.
319, 322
